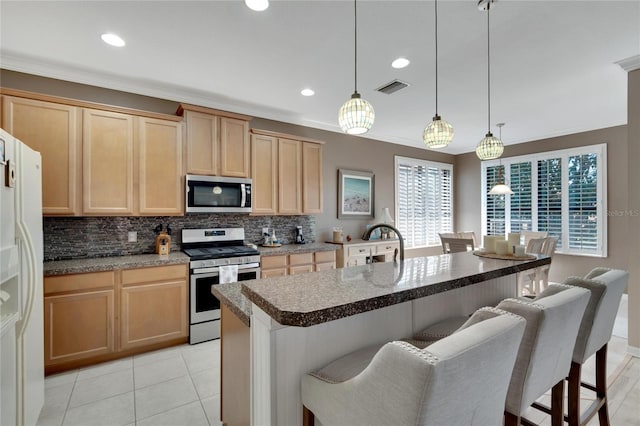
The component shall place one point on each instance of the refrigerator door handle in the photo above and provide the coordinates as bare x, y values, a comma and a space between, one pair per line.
26, 246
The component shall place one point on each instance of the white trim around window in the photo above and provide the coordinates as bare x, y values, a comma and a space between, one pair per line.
576, 215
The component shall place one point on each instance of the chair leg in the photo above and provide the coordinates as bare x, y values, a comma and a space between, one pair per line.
308, 419
511, 419
557, 404
573, 385
601, 385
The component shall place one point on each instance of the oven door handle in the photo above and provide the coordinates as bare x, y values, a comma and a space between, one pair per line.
216, 269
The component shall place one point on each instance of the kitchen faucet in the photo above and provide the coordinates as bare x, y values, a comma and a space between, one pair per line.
367, 235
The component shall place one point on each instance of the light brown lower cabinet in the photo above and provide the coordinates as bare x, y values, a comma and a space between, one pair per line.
299, 263
98, 316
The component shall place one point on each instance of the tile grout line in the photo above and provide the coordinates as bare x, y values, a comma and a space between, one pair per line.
135, 408
64, 416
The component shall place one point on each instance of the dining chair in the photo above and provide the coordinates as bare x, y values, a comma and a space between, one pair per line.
468, 234
399, 384
456, 245
529, 235
534, 281
446, 235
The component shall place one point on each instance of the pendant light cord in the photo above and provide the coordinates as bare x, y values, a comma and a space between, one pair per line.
488, 73
436, 9
355, 45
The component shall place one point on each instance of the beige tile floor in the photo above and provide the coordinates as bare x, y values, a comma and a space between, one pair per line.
180, 387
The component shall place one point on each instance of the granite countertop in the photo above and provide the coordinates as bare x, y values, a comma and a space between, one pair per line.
230, 295
297, 248
315, 298
97, 264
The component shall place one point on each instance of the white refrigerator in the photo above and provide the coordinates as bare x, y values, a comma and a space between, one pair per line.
21, 286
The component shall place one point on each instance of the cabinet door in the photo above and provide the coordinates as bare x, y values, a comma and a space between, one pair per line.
289, 177
325, 266
107, 160
264, 173
153, 313
54, 131
202, 143
311, 178
302, 269
234, 147
78, 326
160, 167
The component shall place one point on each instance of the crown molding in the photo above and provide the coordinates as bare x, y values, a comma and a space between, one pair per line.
629, 64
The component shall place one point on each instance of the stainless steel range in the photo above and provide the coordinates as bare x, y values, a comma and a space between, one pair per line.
209, 249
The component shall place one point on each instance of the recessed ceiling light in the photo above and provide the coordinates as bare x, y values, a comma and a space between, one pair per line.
307, 92
257, 5
400, 63
112, 39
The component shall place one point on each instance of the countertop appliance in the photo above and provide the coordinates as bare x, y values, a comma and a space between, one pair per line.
215, 194
21, 308
214, 253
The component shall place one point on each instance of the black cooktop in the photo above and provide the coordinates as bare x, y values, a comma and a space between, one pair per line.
219, 252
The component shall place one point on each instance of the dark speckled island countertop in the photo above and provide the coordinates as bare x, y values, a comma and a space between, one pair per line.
314, 298
231, 296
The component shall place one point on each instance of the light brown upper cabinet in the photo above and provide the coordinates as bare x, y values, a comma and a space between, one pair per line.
160, 167
107, 160
55, 131
217, 142
287, 174
264, 171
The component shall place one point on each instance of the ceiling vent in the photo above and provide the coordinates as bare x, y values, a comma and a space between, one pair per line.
392, 86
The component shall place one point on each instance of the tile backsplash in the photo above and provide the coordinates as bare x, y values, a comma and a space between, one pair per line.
85, 237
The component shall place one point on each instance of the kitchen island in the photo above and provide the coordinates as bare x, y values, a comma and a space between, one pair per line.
300, 323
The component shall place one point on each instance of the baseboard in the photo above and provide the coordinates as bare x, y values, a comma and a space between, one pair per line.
633, 351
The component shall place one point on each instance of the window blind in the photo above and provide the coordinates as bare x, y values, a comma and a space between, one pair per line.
583, 202
496, 214
424, 201
550, 198
520, 175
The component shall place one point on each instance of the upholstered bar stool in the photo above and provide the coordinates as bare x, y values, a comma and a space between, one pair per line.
399, 384
606, 286
544, 358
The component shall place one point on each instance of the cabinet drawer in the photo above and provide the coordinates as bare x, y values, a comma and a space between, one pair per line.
93, 280
154, 274
325, 256
364, 250
382, 248
325, 266
278, 272
357, 261
272, 262
300, 259
302, 269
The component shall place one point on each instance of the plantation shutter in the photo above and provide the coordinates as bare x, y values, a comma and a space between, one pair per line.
424, 202
495, 216
550, 198
521, 212
583, 202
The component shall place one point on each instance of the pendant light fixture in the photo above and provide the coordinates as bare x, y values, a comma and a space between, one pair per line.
501, 188
438, 133
489, 147
356, 115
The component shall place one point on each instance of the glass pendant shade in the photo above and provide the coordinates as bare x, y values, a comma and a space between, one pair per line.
489, 148
438, 133
356, 115
500, 189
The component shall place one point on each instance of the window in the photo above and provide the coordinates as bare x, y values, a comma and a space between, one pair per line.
424, 200
561, 192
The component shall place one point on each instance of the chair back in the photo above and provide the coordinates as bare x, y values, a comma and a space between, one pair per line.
469, 234
606, 286
456, 245
464, 366
545, 354
528, 235
536, 246
550, 245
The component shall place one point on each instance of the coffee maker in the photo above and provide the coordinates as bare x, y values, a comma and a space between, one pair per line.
299, 237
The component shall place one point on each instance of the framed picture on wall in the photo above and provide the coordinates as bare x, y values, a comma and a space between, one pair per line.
355, 194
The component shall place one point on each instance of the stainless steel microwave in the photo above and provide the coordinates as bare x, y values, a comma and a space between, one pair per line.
215, 194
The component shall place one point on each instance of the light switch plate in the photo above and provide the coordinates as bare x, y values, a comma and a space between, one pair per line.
133, 236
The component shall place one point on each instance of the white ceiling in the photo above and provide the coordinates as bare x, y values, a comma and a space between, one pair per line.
553, 62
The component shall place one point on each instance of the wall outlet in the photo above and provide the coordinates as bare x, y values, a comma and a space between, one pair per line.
133, 236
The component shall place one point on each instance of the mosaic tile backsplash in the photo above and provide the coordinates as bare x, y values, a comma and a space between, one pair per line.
87, 237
